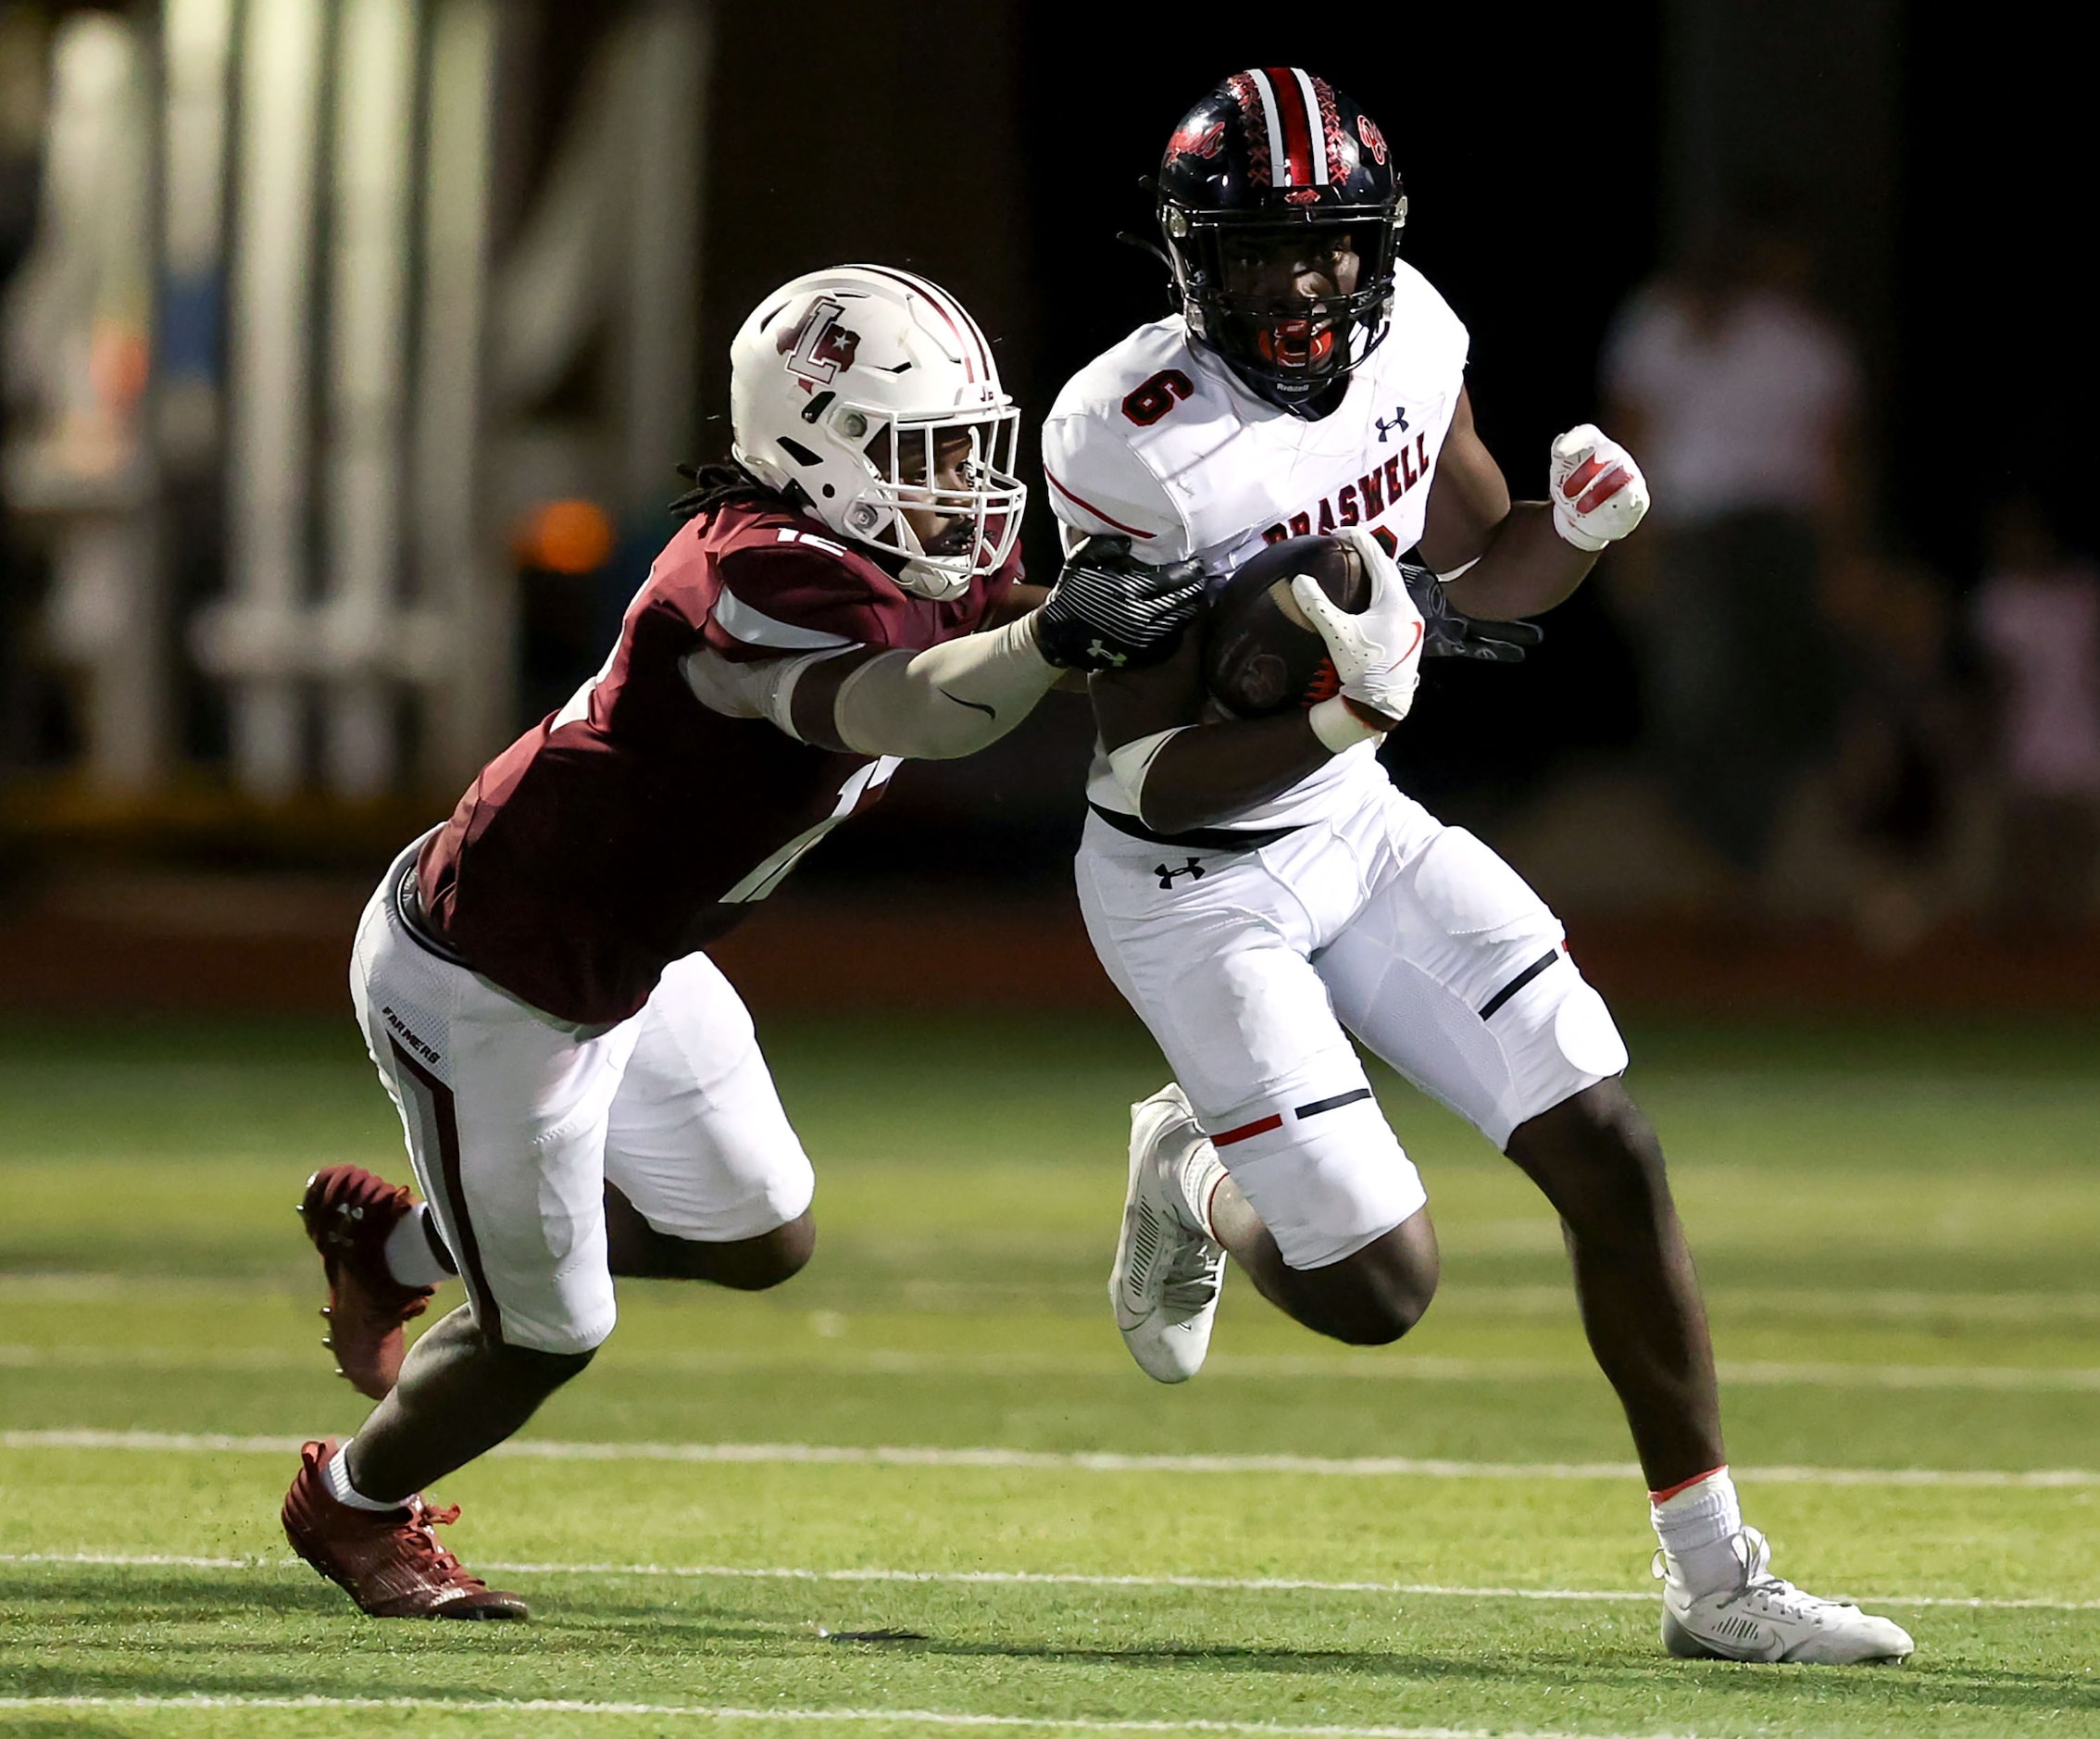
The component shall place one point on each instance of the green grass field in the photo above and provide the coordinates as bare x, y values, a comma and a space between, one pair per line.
1899, 1231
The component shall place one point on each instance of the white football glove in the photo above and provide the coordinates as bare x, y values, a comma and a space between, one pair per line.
1377, 653
1598, 491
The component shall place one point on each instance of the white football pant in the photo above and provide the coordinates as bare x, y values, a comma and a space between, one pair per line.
1252, 969
515, 1121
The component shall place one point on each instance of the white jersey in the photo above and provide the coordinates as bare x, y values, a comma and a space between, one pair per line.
1159, 442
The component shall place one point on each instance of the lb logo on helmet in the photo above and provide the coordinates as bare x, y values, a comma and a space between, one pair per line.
871, 400
818, 346
1373, 137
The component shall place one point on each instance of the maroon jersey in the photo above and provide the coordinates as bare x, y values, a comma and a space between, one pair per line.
634, 825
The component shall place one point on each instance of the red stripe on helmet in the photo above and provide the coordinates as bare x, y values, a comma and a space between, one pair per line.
937, 298
1296, 124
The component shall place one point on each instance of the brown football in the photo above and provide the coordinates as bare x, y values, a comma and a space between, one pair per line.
1260, 655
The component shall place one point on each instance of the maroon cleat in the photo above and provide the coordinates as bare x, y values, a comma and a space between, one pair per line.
388, 1562
348, 1213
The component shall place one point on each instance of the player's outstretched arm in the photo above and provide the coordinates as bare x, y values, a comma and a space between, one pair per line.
950, 700
1509, 560
938, 705
1105, 612
955, 698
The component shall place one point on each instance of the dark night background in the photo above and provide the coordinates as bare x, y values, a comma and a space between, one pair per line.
1551, 162
1554, 159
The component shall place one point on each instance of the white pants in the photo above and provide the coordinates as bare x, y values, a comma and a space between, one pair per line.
1249, 966
515, 1122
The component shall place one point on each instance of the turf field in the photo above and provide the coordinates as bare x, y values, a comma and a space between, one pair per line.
933, 1438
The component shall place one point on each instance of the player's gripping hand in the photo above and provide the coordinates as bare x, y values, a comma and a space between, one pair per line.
1451, 634
1377, 651
1598, 491
1109, 611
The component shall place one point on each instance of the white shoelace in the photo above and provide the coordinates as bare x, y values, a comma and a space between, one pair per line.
1191, 1280
1761, 1592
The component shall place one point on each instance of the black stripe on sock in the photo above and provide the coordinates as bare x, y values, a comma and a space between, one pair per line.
1517, 984
1335, 1104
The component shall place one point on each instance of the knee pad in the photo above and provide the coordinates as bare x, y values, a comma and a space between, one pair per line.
1586, 1035
1321, 1167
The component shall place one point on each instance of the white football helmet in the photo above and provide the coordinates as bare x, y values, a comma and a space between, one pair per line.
843, 384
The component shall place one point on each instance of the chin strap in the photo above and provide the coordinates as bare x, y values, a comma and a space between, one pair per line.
924, 580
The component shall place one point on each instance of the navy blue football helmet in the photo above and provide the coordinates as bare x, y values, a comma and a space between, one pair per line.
1273, 159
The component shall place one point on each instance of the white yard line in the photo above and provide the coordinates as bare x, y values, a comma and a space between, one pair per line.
919, 1718
888, 1361
1074, 1460
1884, 1304
1024, 1579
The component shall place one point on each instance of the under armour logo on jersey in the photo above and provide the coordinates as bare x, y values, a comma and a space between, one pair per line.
1193, 869
1397, 420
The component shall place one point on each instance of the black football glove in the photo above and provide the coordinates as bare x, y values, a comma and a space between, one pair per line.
1109, 611
1450, 633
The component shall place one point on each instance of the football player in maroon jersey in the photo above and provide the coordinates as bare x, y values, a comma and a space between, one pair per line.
579, 1087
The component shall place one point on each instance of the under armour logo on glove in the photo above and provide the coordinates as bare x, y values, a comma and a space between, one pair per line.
1193, 869
1109, 611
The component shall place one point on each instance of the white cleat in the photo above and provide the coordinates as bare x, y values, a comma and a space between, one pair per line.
1766, 1618
1166, 1278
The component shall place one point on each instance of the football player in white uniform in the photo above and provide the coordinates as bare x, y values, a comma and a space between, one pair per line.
1259, 890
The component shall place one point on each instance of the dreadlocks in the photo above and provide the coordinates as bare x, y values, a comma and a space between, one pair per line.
716, 484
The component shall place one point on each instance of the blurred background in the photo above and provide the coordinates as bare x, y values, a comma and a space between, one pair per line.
349, 346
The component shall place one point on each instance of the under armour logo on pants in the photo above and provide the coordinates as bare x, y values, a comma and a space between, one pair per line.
1193, 869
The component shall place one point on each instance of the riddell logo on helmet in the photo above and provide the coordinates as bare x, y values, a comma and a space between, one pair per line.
1207, 143
817, 346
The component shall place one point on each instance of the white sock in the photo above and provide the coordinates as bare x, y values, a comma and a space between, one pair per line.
409, 1258
337, 1474
1698, 1525
1197, 1174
